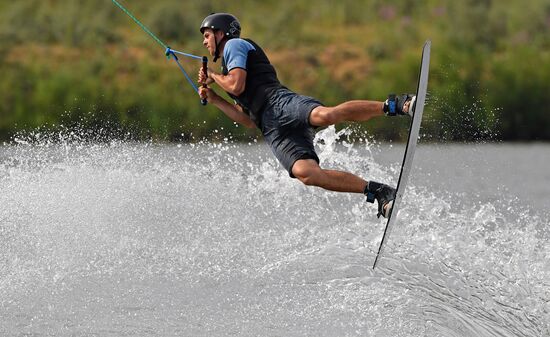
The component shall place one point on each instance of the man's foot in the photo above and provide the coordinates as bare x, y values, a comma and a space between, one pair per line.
384, 194
400, 105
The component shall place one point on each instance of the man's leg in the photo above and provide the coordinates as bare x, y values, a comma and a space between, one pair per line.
309, 172
352, 111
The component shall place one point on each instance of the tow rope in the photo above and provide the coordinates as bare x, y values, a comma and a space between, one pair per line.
169, 52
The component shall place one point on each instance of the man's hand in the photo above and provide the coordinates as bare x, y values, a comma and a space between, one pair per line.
232, 111
205, 78
209, 94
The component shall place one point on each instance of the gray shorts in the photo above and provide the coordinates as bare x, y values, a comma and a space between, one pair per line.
285, 126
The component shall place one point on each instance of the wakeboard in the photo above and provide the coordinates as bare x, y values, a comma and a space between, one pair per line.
410, 148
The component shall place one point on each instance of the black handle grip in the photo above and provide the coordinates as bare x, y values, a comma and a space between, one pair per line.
205, 70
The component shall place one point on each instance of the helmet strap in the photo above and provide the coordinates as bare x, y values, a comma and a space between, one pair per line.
217, 52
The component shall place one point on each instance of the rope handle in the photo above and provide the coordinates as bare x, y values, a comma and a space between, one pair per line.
205, 70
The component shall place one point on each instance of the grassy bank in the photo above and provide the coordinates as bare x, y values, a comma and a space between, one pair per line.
86, 63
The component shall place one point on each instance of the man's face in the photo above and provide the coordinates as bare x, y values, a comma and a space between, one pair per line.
209, 40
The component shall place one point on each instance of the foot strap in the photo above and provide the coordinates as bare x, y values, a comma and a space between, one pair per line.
370, 197
382, 193
371, 189
390, 105
383, 210
394, 105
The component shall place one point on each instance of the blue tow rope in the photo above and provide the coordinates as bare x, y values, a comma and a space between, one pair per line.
169, 52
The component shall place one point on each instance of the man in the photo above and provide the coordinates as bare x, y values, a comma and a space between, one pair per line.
287, 120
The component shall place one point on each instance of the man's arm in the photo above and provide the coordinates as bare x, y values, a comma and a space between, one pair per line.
232, 111
233, 83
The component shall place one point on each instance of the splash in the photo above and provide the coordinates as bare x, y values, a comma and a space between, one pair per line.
217, 240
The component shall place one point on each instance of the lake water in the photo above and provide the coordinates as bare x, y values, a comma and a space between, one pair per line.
141, 239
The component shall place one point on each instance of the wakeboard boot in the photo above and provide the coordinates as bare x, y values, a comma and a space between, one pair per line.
384, 194
394, 105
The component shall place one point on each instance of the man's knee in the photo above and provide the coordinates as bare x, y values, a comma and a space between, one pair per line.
322, 116
307, 171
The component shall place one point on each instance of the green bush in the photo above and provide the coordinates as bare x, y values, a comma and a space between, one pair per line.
69, 62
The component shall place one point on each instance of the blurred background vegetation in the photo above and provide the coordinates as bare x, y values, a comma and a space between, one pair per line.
85, 63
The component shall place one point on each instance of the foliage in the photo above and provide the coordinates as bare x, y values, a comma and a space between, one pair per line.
65, 61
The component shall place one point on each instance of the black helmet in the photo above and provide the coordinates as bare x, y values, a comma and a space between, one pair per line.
225, 22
